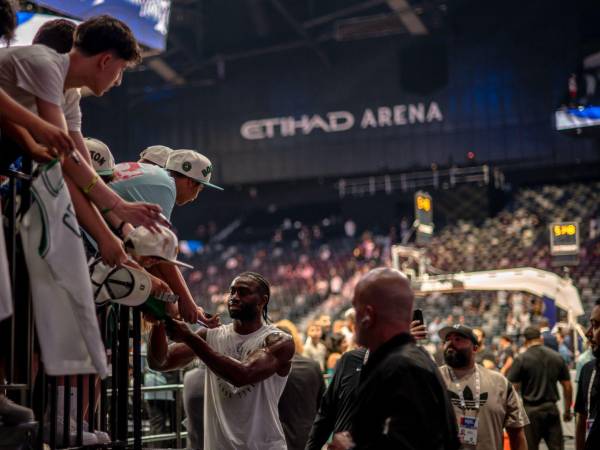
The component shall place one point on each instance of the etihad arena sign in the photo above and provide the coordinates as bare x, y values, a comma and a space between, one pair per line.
339, 121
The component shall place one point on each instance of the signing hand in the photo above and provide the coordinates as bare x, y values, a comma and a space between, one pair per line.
141, 214
209, 321
177, 330
188, 310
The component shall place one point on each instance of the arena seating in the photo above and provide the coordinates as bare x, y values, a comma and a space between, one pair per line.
304, 272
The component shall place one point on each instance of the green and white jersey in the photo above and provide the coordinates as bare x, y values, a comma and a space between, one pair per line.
61, 289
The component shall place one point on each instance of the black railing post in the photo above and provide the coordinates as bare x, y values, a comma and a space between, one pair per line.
123, 374
137, 380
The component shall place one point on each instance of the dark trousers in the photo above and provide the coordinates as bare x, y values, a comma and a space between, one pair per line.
544, 424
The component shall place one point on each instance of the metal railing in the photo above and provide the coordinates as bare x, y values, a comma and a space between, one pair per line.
410, 181
40, 392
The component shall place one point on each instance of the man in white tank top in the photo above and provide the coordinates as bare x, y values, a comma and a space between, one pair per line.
248, 363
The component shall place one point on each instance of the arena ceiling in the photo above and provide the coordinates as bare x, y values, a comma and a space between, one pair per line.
206, 36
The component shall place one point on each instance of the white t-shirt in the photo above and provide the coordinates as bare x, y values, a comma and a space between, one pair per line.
36, 71
71, 109
247, 417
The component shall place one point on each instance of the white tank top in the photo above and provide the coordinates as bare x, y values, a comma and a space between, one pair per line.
244, 418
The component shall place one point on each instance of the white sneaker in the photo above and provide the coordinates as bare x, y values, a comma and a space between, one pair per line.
88, 438
102, 436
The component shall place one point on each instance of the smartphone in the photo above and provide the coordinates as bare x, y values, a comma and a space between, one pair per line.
418, 315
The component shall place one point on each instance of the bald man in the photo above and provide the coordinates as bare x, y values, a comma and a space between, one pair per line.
401, 401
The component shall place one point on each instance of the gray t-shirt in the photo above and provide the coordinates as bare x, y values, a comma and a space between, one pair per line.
36, 71
71, 109
500, 405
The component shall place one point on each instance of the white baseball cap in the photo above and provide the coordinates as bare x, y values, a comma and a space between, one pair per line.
121, 284
102, 159
193, 165
158, 154
163, 244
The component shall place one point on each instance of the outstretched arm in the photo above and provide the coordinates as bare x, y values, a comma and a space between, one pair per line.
274, 357
83, 175
164, 357
45, 133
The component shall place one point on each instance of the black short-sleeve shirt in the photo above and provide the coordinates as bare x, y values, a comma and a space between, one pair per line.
583, 387
537, 370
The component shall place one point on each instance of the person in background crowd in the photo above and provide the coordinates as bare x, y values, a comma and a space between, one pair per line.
547, 336
587, 402
313, 347
535, 374
484, 401
585, 357
193, 405
336, 347
505, 354
563, 347
159, 405
485, 356
348, 329
302, 393
401, 401
325, 321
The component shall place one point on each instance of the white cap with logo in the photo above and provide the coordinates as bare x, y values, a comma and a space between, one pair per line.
121, 284
193, 165
163, 245
102, 159
158, 154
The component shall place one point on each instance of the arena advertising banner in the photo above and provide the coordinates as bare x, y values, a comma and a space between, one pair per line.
148, 19
342, 120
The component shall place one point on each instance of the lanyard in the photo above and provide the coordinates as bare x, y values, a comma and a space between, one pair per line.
461, 397
589, 392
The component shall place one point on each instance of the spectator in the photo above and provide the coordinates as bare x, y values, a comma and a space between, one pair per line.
485, 356
157, 155
193, 405
313, 347
300, 399
587, 403
506, 354
485, 403
549, 339
535, 373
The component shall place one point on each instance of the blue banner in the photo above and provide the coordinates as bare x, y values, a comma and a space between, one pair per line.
148, 19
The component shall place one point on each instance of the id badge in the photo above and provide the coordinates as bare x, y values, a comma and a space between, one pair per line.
588, 426
467, 430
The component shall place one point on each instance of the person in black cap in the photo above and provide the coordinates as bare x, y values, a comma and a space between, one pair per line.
587, 429
535, 373
484, 401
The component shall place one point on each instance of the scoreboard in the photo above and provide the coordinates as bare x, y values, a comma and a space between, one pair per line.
564, 243
423, 216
